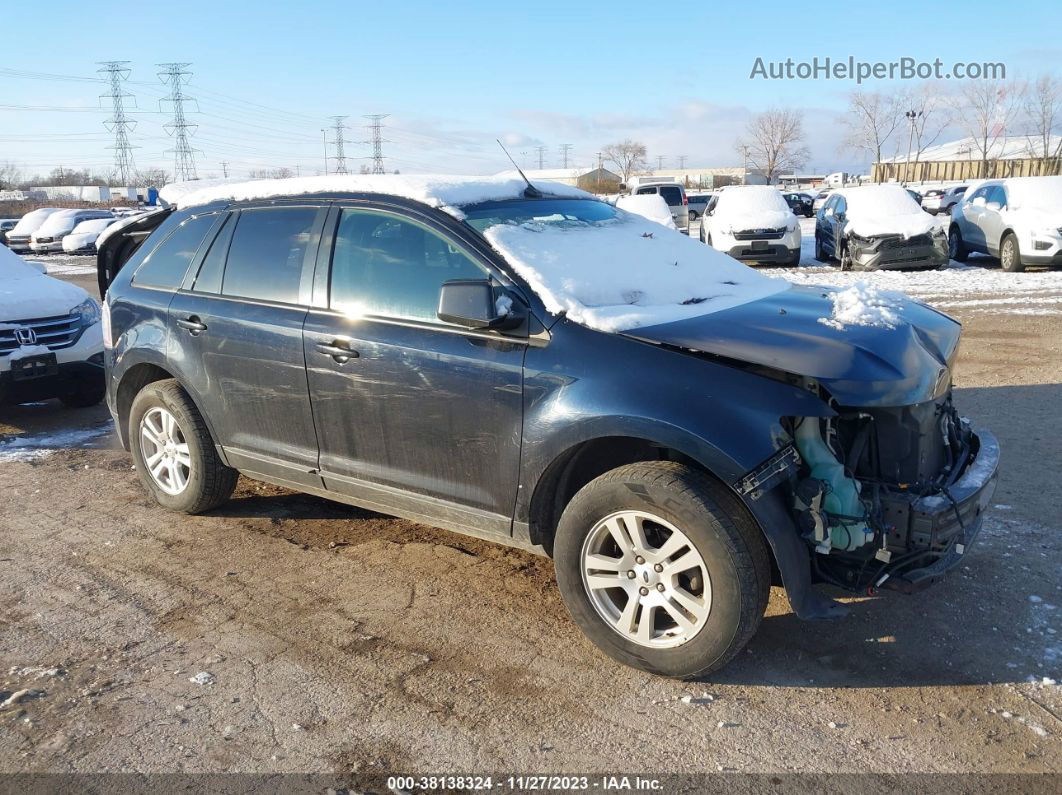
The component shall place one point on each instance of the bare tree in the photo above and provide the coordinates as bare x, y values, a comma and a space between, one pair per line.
1042, 115
986, 108
10, 175
152, 178
774, 142
871, 120
628, 156
932, 116
270, 173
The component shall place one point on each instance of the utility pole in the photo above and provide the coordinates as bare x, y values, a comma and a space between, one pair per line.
341, 158
176, 75
541, 157
659, 162
225, 169
912, 116
744, 164
600, 161
116, 72
682, 161
565, 149
324, 142
376, 141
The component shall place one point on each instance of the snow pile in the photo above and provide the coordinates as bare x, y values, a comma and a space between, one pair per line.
885, 210
25, 292
435, 190
84, 234
864, 305
751, 207
626, 272
648, 205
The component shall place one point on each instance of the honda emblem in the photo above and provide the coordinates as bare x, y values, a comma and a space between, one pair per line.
25, 336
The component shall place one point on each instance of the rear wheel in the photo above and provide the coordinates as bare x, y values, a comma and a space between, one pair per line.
174, 452
956, 247
820, 252
1010, 255
662, 568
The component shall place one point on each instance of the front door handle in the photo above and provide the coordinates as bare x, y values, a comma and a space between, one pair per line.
193, 325
338, 349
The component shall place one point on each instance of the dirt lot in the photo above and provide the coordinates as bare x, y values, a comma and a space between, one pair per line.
336, 640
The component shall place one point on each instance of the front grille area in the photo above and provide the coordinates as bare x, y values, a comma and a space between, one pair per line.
900, 242
53, 332
43, 239
760, 234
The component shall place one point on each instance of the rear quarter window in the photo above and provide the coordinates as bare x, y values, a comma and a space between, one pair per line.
673, 196
166, 265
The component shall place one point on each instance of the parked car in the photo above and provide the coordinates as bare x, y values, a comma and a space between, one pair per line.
697, 202
49, 236
51, 344
753, 223
876, 227
651, 206
6, 225
1018, 220
941, 200
483, 370
82, 239
820, 199
675, 196
801, 204
18, 239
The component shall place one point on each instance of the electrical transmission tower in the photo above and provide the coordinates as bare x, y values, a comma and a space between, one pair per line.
341, 158
176, 76
541, 156
377, 142
659, 162
682, 161
116, 72
565, 149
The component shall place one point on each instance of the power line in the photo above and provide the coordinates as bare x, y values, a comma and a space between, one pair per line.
377, 141
565, 149
117, 72
225, 169
341, 158
176, 75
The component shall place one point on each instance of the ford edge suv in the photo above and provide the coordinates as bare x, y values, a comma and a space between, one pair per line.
527, 364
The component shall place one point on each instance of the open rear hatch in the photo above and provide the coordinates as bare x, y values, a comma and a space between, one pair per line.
121, 243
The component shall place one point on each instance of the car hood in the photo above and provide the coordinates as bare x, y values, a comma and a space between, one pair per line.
26, 294
859, 365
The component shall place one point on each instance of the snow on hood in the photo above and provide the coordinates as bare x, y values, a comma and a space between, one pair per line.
751, 207
93, 226
436, 190
864, 305
31, 221
885, 210
648, 205
626, 272
27, 293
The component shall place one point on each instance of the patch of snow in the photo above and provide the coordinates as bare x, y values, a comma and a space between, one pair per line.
503, 305
885, 210
864, 305
27, 293
750, 207
32, 448
626, 272
32, 221
203, 678
648, 205
445, 192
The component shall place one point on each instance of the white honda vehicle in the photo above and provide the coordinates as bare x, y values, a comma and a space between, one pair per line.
49, 236
18, 239
1018, 220
51, 340
753, 223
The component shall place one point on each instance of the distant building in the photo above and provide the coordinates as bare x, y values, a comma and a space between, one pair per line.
1016, 156
708, 178
595, 180
98, 194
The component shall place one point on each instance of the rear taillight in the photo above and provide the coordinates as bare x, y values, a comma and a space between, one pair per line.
685, 200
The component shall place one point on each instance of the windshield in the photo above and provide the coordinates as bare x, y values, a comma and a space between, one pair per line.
555, 212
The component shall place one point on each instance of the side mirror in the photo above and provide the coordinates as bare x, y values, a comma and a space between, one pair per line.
828, 212
476, 304
994, 206
979, 201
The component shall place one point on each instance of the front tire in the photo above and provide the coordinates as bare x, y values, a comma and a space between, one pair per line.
1010, 254
956, 247
845, 258
690, 568
174, 452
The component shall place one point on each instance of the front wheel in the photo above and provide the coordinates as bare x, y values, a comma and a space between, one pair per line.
174, 452
662, 568
845, 258
956, 247
1010, 255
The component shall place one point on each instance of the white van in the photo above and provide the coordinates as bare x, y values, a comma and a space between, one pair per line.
49, 236
18, 239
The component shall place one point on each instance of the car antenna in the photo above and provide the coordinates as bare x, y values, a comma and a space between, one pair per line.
530, 192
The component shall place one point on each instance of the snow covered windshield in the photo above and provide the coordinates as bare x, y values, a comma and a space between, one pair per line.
612, 270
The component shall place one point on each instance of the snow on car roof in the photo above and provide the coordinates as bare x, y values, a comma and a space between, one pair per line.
885, 210
1038, 192
92, 225
752, 207
436, 190
648, 205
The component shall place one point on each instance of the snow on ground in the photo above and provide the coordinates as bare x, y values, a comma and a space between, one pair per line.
68, 264
32, 448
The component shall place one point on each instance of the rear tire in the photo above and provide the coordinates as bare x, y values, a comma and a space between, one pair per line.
820, 252
729, 591
192, 478
1010, 254
956, 247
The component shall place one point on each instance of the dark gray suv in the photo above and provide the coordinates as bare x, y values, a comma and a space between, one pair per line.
397, 353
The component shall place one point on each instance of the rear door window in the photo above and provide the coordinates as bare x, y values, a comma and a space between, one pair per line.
166, 265
673, 196
266, 254
643, 191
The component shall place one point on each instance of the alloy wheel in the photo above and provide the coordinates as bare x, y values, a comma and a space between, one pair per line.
646, 579
165, 450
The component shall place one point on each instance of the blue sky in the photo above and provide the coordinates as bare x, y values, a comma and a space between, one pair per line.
456, 75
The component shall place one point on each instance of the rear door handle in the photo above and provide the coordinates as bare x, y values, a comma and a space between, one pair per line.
338, 350
192, 324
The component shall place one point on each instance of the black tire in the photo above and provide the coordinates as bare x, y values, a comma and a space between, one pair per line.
85, 394
794, 260
844, 258
210, 482
820, 252
956, 247
1010, 254
727, 539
